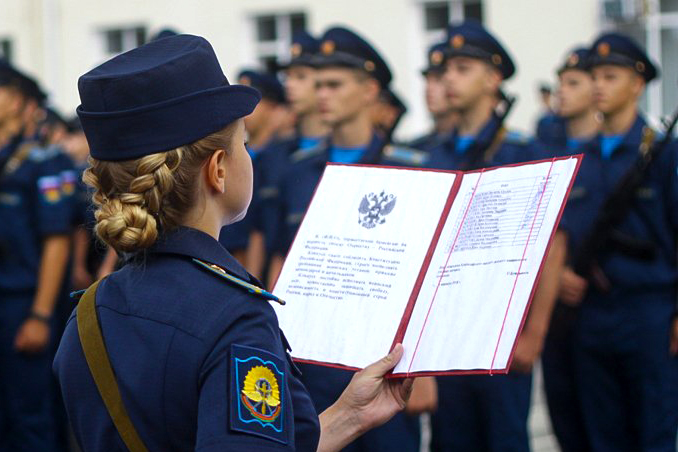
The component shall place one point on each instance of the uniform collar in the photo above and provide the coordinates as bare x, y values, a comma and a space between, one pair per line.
196, 244
632, 138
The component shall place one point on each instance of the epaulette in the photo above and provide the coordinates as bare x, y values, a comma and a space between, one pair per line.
406, 155
215, 269
515, 137
303, 154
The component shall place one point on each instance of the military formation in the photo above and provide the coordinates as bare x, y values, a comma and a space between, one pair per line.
603, 321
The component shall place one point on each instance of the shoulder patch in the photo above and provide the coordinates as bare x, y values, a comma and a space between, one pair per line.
407, 155
251, 288
50, 189
257, 393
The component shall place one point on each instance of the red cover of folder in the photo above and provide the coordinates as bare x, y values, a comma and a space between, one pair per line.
413, 297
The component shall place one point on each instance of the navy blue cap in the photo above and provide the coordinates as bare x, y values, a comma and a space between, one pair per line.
471, 39
28, 86
578, 59
150, 100
304, 47
620, 50
436, 59
342, 47
267, 84
390, 97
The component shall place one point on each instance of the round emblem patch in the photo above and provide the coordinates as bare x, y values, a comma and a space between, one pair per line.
327, 47
457, 41
603, 49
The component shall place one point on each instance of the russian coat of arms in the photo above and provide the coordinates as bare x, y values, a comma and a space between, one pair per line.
374, 208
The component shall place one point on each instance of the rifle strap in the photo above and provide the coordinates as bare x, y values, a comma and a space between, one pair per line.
17, 157
646, 141
99, 364
493, 148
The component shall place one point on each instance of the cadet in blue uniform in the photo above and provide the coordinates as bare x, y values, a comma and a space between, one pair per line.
34, 247
625, 373
350, 76
443, 115
262, 125
299, 82
488, 413
579, 127
179, 341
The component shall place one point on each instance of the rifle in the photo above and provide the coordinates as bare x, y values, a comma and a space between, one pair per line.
618, 204
492, 139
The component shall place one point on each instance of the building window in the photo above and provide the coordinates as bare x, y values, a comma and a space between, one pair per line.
273, 33
118, 40
6, 49
437, 15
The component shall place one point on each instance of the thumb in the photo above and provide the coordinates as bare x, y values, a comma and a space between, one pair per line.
385, 364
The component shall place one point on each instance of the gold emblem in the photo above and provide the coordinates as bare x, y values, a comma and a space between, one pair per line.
327, 47
296, 50
244, 80
640, 66
572, 60
369, 66
436, 58
603, 49
496, 59
457, 41
261, 394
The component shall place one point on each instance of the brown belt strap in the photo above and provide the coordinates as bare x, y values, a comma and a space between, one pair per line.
100, 367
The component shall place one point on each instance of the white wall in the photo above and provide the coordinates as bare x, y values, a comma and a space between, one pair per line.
58, 40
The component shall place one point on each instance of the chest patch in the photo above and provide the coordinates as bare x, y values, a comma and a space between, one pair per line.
257, 396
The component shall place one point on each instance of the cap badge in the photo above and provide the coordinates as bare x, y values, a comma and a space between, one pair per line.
457, 41
640, 66
244, 80
436, 58
327, 47
296, 50
572, 60
496, 59
603, 49
369, 66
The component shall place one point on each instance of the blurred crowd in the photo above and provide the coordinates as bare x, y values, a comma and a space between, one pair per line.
603, 318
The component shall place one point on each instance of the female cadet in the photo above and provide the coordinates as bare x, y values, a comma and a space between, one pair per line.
197, 361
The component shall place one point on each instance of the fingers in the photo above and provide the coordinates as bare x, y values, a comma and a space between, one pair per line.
385, 364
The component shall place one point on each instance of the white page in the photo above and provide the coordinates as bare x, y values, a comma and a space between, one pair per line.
342, 307
472, 315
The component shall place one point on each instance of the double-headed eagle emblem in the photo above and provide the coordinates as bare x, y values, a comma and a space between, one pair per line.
374, 208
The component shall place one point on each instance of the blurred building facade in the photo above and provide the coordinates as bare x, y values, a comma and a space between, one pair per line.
57, 40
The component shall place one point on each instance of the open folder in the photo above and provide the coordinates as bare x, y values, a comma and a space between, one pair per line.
445, 263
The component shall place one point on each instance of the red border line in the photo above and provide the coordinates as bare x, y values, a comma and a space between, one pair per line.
442, 273
520, 266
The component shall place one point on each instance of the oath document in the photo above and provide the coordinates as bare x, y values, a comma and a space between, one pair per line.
444, 262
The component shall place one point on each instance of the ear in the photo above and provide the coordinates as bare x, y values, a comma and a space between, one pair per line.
372, 90
493, 79
214, 171
638, 84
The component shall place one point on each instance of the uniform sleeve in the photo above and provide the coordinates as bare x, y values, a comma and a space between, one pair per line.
54, 206
672, 166
244, 401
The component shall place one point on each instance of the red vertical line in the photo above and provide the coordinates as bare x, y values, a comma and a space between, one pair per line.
442, 273
520, 266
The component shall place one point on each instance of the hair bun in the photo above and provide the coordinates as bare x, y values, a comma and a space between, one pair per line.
126, 226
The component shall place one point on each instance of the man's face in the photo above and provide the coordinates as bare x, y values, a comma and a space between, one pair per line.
436, 96
343, 93
575, 93
614, 87
467, 80
300, 89
10, 103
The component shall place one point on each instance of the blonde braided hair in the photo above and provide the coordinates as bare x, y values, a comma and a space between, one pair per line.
139, 199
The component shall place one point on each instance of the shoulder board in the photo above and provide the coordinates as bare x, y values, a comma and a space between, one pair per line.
303, 154
513, 136
77, 294
216, 270
405, 154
